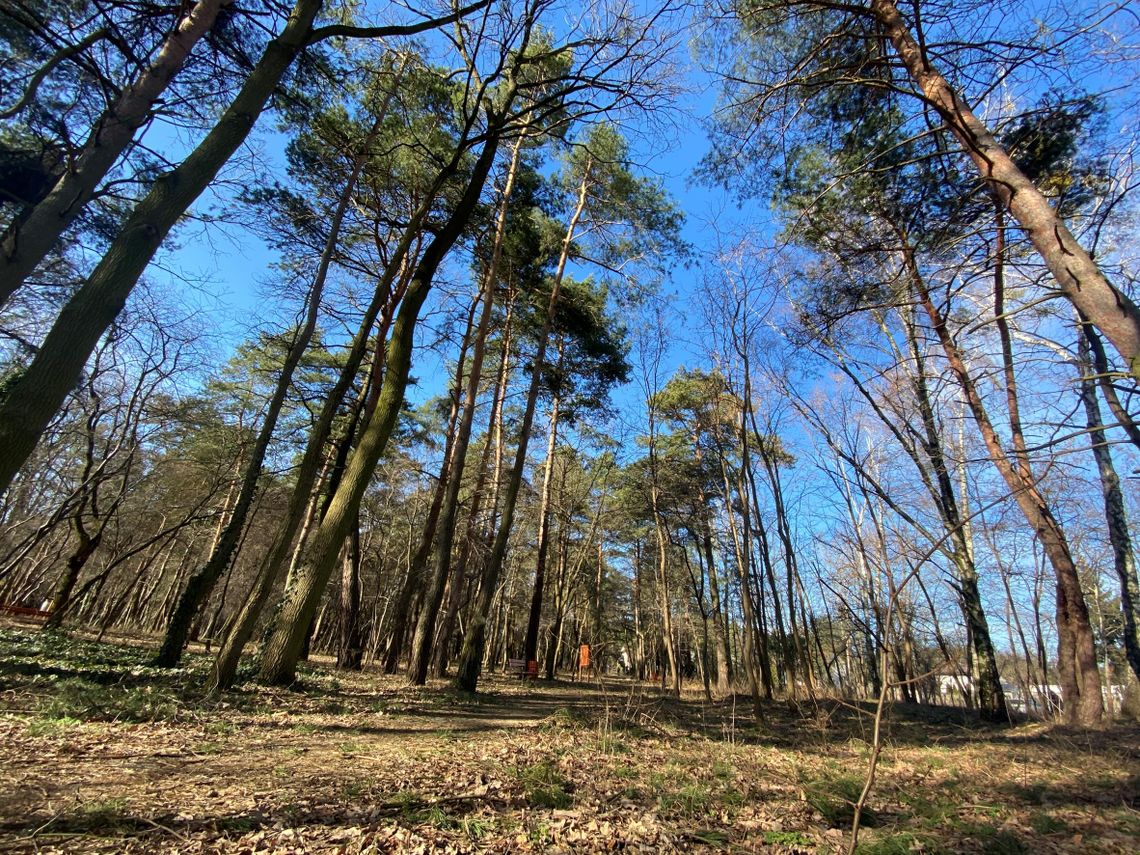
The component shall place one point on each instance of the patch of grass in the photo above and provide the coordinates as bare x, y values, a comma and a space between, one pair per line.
730, 796
78, 698
710, 837
437, 817
539, 833
219, 727
545, 787
355, 788
926, 807
51, 726
895, 844
1045, 823
999, 841
723, 770
786, 838
608, 743
104, 813
834, 797
476, 828
691, 800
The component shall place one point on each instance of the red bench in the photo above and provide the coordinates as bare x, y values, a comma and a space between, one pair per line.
523, 669
23, 611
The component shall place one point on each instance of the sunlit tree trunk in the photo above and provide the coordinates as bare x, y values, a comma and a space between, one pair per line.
1076, 657
471, 655
1078, 276
283, 647
1124, 558
530, 643
29, 238
433, 595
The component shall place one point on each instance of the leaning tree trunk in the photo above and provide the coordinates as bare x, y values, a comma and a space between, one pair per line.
471, 535
202, 583
37, 396
241, 630
991, 696
386, 293
283, 647
412, 579
1078, 276
31, 237
1076, 655
433, 595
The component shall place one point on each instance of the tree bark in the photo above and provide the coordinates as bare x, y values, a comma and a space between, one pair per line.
1076, 661
350, 651
1124, 558
36, 397
1077, 275
29, 239
202, 582
425, 629
283, 648
534, 618
471, 655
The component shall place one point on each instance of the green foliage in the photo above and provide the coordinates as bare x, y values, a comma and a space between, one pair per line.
629, 219
545, 787
594, 349
834, 797
786, 838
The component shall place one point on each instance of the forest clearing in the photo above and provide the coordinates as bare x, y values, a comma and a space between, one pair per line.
550, 425
98, 758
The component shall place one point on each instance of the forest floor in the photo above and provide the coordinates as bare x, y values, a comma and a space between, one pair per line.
101, 753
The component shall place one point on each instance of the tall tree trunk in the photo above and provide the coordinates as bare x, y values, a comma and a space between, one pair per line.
534, 618
1076, 663
1077, 275
662, 565
388, 293
471, 655
202, 582
283, 647
554, 631
433, 596
472, 535
28, 239
1124, 558
350, 650
749, 628
991, 697
414, 578
720, 636
36, 397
